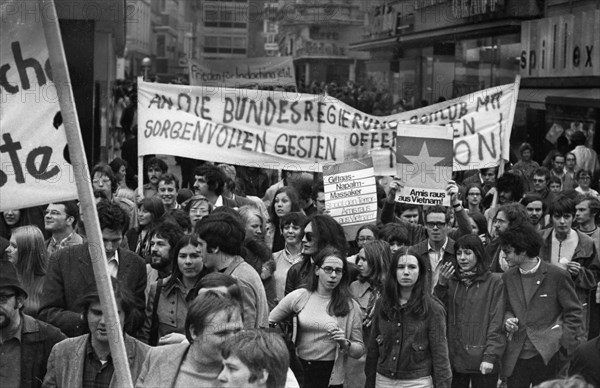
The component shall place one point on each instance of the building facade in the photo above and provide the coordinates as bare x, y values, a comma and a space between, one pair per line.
318, 34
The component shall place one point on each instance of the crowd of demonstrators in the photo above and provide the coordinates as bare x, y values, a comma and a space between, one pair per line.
425, 295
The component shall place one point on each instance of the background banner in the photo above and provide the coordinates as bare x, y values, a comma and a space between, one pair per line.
291, 130
243, 72
33, 169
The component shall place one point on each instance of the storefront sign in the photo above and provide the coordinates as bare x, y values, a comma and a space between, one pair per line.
561, 46
469, 8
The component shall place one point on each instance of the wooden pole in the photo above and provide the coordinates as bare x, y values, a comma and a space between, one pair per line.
62, 82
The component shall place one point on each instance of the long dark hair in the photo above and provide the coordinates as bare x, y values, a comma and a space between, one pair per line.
328, 232
154, 206
378, 255
176, 272
339, 305
473, 242
292, 194
420, 300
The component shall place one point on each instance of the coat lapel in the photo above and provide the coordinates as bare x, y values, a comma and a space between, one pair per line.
540, 274
85, 264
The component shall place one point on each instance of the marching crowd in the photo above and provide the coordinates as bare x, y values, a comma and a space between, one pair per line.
240, 278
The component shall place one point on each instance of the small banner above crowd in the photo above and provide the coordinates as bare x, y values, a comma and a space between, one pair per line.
33, 168
264, 72
288, 130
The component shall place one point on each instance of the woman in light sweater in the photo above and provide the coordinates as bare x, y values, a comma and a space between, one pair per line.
329, 321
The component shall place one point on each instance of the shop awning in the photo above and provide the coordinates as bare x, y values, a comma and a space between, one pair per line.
538, 98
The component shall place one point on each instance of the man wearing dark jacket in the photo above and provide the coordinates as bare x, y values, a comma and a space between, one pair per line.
25, 342
70, 273
543, 316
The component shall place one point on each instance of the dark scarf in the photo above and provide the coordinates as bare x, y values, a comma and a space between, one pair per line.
467, 277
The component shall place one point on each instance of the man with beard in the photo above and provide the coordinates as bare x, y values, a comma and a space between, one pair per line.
163, 238
509, 215
25, 342
536, 209
572, 251
209, 181
510, 188
155, 169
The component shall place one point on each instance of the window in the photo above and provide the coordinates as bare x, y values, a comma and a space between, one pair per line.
160, 46
225, 44
225, 16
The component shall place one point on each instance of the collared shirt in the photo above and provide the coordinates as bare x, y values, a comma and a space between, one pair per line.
565, 248
96, 373
435, 258
533, 270
113, 265
70, 240
219, 201
10, 360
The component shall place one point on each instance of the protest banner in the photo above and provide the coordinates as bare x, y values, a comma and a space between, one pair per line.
51, 30
283, 130
351, 194
424, 163
33, 168
276, 72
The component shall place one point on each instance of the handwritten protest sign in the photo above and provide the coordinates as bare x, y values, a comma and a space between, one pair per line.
243, 72
33, 169
424, 163
351, 194
284, 130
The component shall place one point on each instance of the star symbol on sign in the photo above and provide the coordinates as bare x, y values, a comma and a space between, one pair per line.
421, 161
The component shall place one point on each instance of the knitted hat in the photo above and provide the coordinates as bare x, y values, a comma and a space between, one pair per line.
9, 277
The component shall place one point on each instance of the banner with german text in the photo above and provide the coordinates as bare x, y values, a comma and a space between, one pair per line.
288, 130
33, 168
275, 72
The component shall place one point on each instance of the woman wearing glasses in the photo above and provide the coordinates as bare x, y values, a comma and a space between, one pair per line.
407, 346
329, 321
474, 299
473, 198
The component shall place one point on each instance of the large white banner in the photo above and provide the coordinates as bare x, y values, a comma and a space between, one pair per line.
33, 169
276, 72
303, 131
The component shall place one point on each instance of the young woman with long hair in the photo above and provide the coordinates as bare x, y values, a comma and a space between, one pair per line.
151, 212
173, 302
407, 346
474, 299
329, 321
27, 251
285, 201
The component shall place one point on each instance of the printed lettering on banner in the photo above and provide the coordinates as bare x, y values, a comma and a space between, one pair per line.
351, 194
33, 168
424, 163
294, 131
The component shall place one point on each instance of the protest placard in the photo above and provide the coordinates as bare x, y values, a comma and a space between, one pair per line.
276, 72
424, 163
283, 130
351, 194
33, 168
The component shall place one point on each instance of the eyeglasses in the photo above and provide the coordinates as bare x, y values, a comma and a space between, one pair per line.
104, 181
329, 270
432, 225
5, 297
475, 194
309, 236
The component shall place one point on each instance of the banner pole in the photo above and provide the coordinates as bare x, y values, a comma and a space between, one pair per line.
62, 82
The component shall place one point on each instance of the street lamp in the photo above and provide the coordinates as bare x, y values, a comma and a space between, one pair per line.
146, 64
